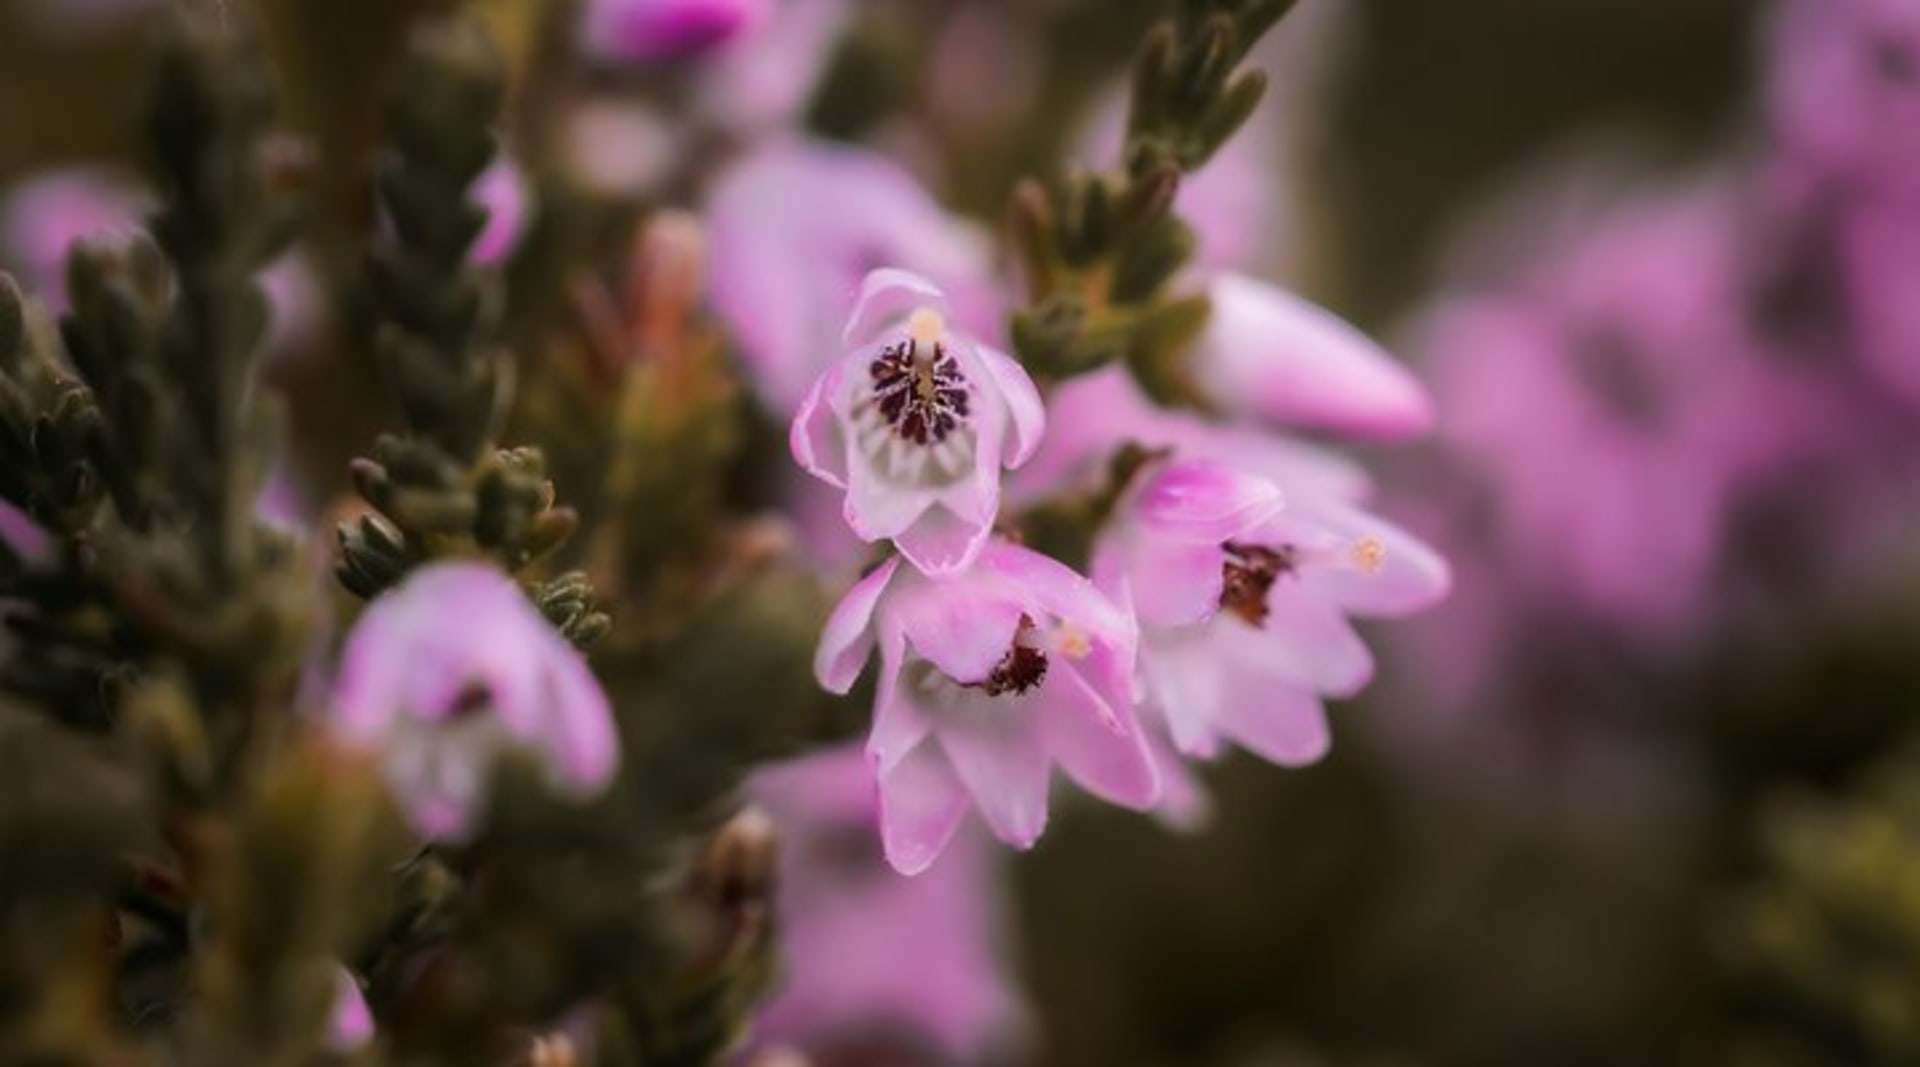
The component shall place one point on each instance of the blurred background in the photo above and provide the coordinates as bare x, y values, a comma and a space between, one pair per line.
1645, 790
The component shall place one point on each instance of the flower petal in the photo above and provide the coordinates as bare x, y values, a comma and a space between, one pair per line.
815, 438
1113, 765
942, 542
1195, 500
964, 628
581, 737
1284, 724
1173, 583
1027, 415
887, 295
921, 805
1269, 354
1305, 638
899, 723
1058, 590
847, 640
996, 750
1407, 577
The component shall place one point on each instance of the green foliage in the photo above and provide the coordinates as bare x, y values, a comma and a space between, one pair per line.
1101, 250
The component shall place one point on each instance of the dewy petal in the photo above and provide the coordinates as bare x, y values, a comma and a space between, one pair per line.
1194, 500
1114, 765
995, 748
847, 641
921, 805
817, 442
1027, 415
1269, 354
888, 295
964, 628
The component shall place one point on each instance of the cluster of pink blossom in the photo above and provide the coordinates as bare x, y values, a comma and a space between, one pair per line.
1671, 402
1223, 584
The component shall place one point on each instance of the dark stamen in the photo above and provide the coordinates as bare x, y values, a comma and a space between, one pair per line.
923, 400
1248, 575
1022, 668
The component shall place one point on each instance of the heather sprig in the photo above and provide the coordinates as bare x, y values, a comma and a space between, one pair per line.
1099, 250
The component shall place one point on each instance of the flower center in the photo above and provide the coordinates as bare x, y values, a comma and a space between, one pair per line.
1248, 575
1023, 667
919, 391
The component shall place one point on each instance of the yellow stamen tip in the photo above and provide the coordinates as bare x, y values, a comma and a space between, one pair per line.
926, 325
1369, 555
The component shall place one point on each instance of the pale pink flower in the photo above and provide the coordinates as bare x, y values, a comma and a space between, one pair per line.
42, 218
351, 1024
1243, 603
915, 422
1843, 91
794, 228
988, 678
502, 191
867, 954
450, 670
1270, 356
647, 31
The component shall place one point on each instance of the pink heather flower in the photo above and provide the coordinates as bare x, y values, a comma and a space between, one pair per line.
42, 217
449, 670
648, 31
351, 1025
869, 954
1243, 603
1608, 377
1844, 90
761, 80
915, 424
502, 190
1268, 355
796, 226
988, 677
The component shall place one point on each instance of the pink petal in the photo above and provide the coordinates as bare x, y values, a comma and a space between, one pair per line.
1113, 765
847, 640
1058, 590
878, 510
1027, 414
1305, 638
887, 295
940, 542
1410, 576
1173, 583
962, 627
815, 438
1280, 723
351, 1024
921, 805
1195, 500
1185, 679
581, 733
1269, 354
899, 725
1184, 803
996, 749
